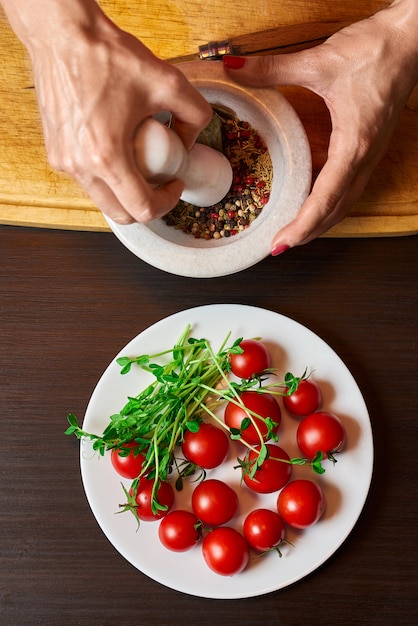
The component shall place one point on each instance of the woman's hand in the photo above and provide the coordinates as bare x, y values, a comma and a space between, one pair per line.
365, 74
95, 84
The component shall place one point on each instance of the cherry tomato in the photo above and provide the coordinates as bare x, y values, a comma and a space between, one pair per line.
264, 404
320, 432
225, 551
273, 473
126, 461
305, 400
214, 502
143, 498
207, 448
301, 503
263, 529
179, 530
254, 359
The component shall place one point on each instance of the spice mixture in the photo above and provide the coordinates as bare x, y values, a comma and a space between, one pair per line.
250, 190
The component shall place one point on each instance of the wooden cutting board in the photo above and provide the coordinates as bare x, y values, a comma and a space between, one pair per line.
32, 194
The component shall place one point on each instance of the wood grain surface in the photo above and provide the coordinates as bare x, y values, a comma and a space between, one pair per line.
31, 193
69, 301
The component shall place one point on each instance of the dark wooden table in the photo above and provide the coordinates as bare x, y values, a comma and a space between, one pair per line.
69, 301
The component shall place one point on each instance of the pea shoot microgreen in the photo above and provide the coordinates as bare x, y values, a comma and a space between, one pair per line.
190, 383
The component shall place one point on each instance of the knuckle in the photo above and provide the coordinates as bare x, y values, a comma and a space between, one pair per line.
58, 159
57, 163
123, 219
174, 80
267, 65
144, 213
102, 157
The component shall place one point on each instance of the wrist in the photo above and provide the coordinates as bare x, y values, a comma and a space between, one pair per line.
50, 23
399, 23
402, 16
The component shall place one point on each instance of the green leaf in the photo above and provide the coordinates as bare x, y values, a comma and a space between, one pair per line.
236, 350
193, 426
124, 452
298, 461
253, 468
72, 419
263, 455
123, 360
246, 423
235, 433
317, 463
170, 378
142, 360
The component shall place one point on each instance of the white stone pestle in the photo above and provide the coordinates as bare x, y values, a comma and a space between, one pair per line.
161, 156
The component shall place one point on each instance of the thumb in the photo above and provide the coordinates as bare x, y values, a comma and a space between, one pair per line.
271, 70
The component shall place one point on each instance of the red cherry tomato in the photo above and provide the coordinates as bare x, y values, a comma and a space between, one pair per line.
143, 498
254, 359
263, 529
214, 502
273, 473
301, 503
179, 530
207, 448
264, 405
127, 461
225, 551
320, 432
305, 400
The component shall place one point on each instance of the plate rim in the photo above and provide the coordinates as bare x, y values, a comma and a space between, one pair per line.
366, 487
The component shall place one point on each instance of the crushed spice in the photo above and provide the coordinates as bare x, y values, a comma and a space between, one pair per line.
250, 190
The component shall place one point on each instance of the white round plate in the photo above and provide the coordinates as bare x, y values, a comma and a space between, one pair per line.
293, 348
276, 121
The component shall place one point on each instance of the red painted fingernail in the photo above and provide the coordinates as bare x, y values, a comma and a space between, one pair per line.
232, 62
279, 249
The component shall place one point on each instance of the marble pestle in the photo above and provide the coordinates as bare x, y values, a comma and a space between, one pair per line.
161, 157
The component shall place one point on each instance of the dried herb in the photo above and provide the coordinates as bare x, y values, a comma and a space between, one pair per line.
250, 191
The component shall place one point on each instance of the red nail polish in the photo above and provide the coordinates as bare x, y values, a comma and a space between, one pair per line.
279, 249
232, 62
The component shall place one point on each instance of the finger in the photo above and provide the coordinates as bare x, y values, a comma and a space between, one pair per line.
326, 206
132, 199
323, 208
297, 68
190, 110
107, 202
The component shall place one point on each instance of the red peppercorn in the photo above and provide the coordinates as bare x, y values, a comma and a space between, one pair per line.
244, 201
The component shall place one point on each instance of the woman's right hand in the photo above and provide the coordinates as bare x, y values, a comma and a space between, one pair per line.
95, 84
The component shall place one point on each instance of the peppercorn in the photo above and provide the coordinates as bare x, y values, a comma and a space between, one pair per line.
249, 193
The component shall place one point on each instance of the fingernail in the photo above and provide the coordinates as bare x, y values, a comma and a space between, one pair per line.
279, 249
232, 62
